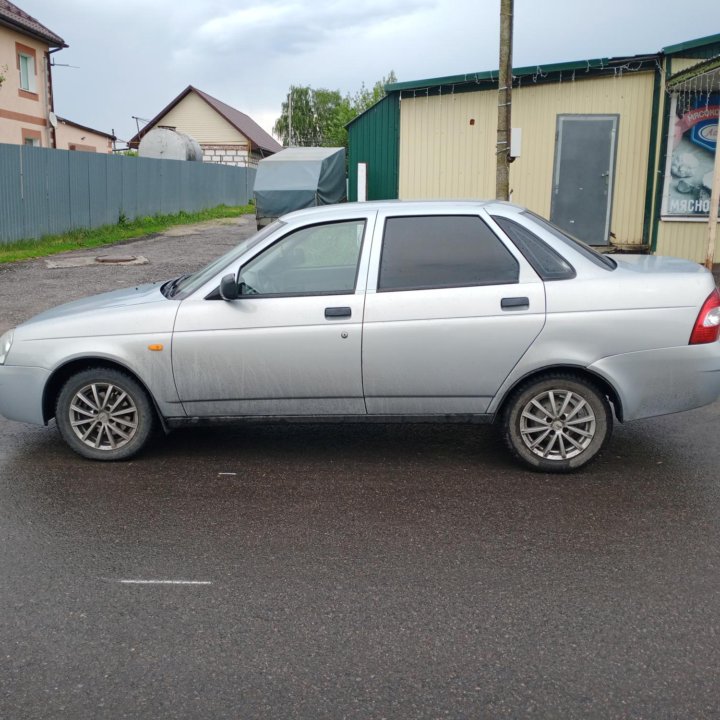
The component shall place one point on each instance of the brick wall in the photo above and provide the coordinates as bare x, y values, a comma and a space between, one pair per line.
226, 155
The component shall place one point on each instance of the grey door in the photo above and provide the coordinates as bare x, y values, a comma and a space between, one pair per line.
583, 176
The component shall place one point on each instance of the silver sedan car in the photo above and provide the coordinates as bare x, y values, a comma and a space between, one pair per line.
381, 312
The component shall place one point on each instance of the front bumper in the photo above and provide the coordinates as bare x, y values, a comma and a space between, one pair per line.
21, 393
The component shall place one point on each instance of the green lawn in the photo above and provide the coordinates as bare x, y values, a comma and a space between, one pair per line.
109, 234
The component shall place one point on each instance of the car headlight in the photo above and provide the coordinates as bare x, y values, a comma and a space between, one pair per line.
5, 345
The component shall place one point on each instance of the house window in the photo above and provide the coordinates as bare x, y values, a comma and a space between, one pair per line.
32, 138
27, 68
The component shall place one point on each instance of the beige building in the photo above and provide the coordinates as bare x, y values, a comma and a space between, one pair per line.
26, 99
606, 150
226, 135
71, 136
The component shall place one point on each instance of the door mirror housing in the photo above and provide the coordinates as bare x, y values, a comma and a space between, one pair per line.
229, 289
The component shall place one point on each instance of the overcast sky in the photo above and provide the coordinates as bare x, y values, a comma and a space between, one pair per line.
134, 56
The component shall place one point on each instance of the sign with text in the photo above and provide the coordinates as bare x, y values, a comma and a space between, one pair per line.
692, 145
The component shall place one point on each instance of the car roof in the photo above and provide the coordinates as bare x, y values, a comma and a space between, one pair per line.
411, 206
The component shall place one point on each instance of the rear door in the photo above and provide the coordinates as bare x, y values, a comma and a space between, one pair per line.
450, 310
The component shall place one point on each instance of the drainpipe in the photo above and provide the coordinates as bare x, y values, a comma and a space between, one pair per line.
49, 100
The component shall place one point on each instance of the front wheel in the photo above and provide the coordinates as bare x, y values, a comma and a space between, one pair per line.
104, 414
557, 423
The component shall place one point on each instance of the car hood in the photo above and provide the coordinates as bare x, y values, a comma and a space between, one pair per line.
139, 295
133, 310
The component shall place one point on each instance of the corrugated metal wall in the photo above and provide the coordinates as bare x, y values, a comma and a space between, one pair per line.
443, 155
374, 139
45, 191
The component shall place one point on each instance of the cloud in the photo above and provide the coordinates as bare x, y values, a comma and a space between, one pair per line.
135, 56
286, 28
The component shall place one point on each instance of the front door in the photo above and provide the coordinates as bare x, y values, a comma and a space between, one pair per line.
583, 176
290, 344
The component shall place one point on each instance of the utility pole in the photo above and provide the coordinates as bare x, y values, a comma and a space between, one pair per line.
290, 94
502, 177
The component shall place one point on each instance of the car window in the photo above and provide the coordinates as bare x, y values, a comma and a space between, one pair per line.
599, 259
548, 264
191, 283
315, 260
439, 251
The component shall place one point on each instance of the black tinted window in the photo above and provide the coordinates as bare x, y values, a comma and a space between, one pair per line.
443, 251
545, 261
584, 249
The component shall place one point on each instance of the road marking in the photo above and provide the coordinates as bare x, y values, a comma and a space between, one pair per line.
228, 473
163, 582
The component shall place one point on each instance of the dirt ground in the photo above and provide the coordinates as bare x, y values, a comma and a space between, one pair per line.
27, 288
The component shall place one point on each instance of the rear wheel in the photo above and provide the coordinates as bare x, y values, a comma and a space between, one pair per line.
104, 414
557, 423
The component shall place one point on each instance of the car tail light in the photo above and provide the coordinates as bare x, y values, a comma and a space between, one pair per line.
707, 325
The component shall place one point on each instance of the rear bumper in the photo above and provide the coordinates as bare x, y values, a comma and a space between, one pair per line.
668, 380
21, 393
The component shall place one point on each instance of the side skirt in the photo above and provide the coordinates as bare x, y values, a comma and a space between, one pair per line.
173, 423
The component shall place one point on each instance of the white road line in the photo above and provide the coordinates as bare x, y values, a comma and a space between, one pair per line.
163, 582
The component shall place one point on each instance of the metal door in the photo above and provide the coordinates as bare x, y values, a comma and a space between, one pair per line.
269, 356
445, 350
290, 343
583, 176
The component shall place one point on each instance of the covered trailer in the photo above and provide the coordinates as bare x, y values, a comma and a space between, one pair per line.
297, 178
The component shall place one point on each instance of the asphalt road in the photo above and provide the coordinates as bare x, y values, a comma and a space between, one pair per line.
351, 572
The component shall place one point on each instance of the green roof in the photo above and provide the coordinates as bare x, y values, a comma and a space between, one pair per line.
691, 44
596, 64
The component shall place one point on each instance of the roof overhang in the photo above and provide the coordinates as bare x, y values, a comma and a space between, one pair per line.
25, 28
705, 77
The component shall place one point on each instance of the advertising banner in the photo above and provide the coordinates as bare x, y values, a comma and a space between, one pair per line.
692, 144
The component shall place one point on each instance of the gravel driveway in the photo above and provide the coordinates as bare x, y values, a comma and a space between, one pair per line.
27, 288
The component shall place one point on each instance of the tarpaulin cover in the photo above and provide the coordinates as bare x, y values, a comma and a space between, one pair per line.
297, 178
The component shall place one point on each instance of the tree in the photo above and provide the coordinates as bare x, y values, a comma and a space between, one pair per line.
312, 117
317, 117
365, 97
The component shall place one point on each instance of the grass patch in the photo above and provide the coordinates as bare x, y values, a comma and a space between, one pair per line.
109, 234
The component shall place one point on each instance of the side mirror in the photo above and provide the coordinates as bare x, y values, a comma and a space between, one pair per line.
229, 288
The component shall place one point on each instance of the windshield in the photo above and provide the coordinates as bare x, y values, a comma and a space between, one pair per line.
190, 283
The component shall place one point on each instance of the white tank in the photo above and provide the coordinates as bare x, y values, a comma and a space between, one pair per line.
165, 143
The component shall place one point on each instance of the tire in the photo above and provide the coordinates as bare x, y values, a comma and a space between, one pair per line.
557, 423
104, 414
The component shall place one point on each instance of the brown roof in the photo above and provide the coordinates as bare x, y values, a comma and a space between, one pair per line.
12, 16
240, 121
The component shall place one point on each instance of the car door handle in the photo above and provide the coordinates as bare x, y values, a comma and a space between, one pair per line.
338, 312
514, 302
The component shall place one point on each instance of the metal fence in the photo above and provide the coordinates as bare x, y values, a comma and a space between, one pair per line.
44, 192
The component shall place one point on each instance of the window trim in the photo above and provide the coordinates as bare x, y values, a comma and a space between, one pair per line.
31, 135
542, 274
380, 289
24, 51
323, 293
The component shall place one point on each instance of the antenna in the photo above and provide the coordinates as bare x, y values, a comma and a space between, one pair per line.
139, 120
